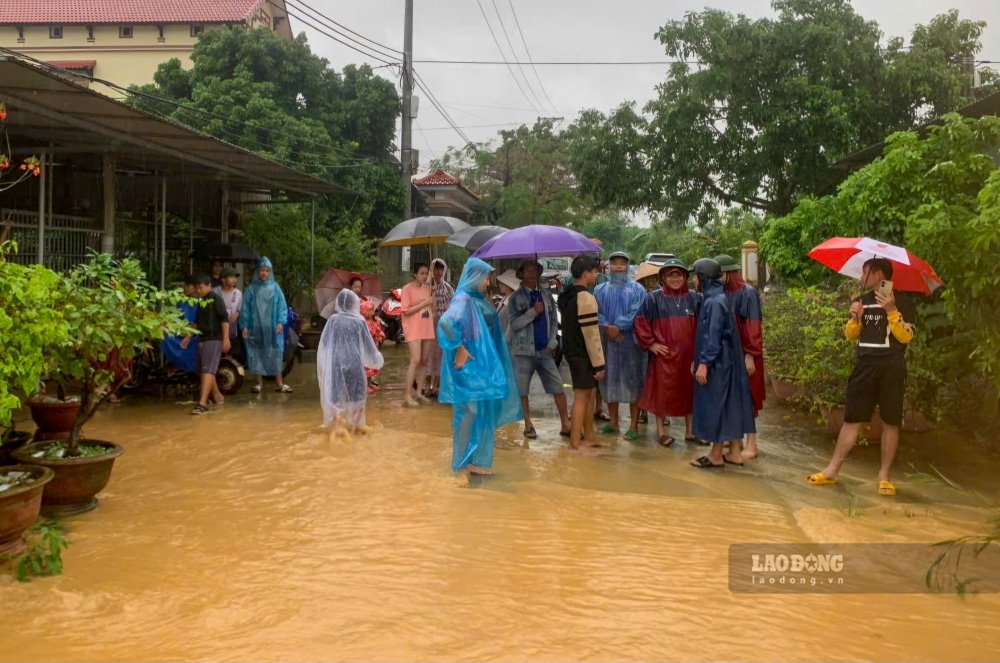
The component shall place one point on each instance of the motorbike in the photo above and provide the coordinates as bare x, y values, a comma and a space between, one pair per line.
391, 315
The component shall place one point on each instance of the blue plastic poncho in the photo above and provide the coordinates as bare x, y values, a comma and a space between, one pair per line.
618, 302
723, 410
184, 359
346, 349
264, 308
483, 393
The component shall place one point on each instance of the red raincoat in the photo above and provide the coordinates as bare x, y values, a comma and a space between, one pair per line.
668, 317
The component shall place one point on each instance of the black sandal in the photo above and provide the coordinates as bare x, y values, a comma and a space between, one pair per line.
530, 433
705, 463
665, 441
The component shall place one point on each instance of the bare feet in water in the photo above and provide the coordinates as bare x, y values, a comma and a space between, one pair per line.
482, 471
362, 430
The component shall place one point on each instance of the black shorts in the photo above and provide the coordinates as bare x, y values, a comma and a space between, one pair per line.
209, 354
581, 373
882, 383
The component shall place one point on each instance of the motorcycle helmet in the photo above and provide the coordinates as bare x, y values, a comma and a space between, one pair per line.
706, 270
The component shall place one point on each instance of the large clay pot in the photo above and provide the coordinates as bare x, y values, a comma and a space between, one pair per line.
834, 419
19, 507
77, 480
53, 417
915, 421
784, 390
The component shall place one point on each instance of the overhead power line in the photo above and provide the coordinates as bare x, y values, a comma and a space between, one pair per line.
344, 27
371, 53
563, 63
422, 85
513, 53
527, 52
504, 57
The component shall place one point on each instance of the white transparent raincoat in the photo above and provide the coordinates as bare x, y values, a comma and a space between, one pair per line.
346, 349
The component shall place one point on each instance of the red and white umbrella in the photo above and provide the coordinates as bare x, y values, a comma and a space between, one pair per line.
847, 256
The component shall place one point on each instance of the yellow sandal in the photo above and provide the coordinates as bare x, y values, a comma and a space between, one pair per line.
886, 488
820, 479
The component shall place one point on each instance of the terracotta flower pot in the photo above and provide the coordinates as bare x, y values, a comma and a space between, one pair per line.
19, 507
834, 420
77, 480
53, 417
784, 390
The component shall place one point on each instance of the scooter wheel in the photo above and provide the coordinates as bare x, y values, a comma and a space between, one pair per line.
229, 376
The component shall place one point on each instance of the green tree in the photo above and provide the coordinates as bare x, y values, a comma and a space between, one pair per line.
524, 177
770, 104
277, 98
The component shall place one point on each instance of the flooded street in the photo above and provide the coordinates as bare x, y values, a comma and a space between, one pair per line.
249, 534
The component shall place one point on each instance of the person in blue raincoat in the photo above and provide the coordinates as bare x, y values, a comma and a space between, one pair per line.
618, 302
262, 321
477, 376
184, 359
723, 411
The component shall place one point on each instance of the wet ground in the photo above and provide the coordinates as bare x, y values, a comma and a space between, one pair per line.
248, 534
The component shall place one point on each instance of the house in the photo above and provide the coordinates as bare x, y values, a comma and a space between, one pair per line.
124, 41
445, 195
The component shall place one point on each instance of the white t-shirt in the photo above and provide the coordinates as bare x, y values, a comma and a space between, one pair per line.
234, 301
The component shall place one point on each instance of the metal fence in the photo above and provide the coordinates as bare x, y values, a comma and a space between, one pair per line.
68, 239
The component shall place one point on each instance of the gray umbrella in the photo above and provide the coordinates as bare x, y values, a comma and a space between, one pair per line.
473, 237
424, 230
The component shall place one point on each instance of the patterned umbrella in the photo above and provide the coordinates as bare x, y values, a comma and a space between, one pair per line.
847, 256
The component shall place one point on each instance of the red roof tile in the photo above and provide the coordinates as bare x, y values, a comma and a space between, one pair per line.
438, 178
73, 65
126, 11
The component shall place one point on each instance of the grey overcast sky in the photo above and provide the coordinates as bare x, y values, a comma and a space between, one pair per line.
556, 30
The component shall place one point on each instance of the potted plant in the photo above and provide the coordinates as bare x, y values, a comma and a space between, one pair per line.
782, 343
29, 326
115, 314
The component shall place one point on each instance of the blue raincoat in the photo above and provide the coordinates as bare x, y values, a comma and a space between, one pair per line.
184, 359
264, 308
483, 393
723, 410
618, 302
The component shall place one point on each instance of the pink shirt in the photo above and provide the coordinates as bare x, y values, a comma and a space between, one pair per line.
419, 326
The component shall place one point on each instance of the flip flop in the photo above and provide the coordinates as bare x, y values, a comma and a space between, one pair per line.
565, 433
731, 462
600, 416
530, 433
886, 488
665, 441
691, 438
609, 430
820, 479
705, 463
631, 435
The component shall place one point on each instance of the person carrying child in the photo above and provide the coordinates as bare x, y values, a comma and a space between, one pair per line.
378, 336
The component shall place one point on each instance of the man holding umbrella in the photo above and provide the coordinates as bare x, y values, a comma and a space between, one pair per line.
879, 323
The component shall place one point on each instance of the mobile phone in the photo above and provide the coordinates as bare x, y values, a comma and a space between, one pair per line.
885, 288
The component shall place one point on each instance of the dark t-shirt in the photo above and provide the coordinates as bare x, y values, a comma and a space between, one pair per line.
876, 341
211, 314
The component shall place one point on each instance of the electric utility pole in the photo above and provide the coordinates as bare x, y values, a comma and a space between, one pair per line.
405, 134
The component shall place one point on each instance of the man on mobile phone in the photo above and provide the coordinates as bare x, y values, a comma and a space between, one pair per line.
882, 326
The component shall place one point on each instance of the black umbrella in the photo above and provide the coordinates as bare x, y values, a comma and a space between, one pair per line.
473, 237
235, 252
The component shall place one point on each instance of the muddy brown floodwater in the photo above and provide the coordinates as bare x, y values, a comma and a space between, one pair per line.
248, 534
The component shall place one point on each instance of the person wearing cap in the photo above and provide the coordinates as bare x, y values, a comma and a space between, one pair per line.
534, 338
665, 327
618, 302
722, 408
744, 301
233, 298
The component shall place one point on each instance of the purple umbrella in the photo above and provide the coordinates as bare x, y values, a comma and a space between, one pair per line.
536, 241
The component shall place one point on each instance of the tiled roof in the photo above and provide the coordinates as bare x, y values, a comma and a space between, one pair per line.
125, 11
73, 65
438, 178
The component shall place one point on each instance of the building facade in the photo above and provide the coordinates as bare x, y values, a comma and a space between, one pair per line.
124, 41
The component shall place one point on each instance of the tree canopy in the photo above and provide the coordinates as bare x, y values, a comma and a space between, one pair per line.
754, 112
524, 177
275, 97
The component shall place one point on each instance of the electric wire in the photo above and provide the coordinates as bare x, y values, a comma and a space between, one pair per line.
326, 22
513, 53
527, 52
503, 56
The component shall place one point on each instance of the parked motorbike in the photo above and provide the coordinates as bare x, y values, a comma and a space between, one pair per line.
391, 315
